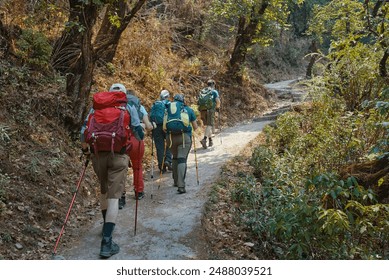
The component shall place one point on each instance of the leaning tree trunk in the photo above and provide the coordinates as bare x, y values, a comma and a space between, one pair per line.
382, 67
107, 31
107, 39
244, 39
313, 50
73, 56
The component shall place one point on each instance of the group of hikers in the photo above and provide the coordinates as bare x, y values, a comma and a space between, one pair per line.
112, 138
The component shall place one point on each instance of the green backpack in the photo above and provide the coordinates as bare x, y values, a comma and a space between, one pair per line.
176, 119
205, 101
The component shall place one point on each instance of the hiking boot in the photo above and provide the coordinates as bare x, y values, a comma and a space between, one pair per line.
210, 142
140, 195
122, 202
108, 247
169, 166
181, 190
204, 143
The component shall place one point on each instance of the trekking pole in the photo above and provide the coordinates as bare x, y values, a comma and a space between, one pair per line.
220, 128
137, 194
197, 167
152, 164
136, 211
70, 207
163, 163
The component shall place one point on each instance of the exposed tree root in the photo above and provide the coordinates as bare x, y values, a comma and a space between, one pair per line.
372, 174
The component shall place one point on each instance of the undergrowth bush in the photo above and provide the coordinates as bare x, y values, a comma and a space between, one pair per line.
296, 205
327, 218
34, 48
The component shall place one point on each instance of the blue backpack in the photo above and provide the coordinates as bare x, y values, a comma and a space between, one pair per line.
157, 112
135, 101
176, 119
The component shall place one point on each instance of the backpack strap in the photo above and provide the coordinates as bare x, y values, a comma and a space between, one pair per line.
171, 142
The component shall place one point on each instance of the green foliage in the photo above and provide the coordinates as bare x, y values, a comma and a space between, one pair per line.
4, 182
305, 210
353, 72
34, 48
55, 165
274, 18
297, 206
110, 68
115, 20
339, 19
326, 218
380, 105
6, 237
351, 24
4, 133
74, 25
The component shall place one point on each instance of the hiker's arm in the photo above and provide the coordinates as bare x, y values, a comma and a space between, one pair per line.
194, 125
193, 121
135, 121
84, 145
217, 100
148, 125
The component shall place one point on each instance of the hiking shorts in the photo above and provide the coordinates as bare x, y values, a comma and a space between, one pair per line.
208, 117
111, 169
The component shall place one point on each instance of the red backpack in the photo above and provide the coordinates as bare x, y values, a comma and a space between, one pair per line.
108, 127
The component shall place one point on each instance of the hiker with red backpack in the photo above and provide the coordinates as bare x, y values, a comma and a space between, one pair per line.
105, 138
179, 122
157, 113
208, 103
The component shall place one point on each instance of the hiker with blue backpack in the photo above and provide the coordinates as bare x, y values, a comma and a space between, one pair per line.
157, 113
179, 122
105, 139
138, 147
208, 103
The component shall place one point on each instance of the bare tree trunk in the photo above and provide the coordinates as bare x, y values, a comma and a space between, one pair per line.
107, 39
244, 39
108, 30
313, 50
73, 57
383, 70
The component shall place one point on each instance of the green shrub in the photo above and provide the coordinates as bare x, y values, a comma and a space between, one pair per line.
34, 48
295, 217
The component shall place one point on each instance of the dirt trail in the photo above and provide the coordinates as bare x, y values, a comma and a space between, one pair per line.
169, 224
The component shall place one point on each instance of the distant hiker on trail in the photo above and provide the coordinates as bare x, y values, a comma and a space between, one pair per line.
157, 112
208, 103
105, 139
178, 123
138, 147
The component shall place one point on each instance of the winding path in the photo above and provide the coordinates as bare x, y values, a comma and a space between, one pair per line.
169, 224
